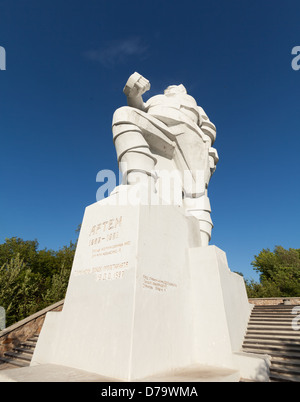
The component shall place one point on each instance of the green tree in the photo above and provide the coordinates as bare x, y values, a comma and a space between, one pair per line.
31, 279
57, 288
27, 250
17, 289
9, 273
279, 273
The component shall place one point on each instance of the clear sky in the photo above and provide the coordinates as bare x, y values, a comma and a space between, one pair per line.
66, 65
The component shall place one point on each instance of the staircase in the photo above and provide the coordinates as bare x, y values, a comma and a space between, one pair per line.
19, 356
270, 332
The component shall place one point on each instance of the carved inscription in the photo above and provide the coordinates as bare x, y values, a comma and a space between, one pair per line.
105, 231
106, 272
112, 249
108, 255
157, 285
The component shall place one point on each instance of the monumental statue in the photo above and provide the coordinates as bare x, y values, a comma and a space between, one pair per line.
169, 130
148, 299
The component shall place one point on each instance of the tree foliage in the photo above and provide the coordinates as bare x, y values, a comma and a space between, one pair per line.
31, 279
279, 273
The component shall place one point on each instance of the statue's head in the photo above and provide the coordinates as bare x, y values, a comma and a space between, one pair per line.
175, 89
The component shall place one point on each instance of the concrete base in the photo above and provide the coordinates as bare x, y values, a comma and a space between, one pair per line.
57, 373
145, 298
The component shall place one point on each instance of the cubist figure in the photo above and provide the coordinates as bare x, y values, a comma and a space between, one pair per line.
168, 132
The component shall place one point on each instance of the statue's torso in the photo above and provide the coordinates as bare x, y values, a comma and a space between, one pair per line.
164, 107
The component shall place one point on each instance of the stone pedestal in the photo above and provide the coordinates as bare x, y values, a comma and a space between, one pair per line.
144, 299
145, 302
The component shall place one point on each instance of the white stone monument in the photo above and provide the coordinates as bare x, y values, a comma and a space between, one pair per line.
148, 299
168, 133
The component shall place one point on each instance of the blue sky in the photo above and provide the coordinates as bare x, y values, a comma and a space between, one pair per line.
67, 63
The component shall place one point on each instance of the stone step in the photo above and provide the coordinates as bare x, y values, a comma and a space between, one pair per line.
279, 361
294, 371
272, 352
264, 324
4, 365
279, 329
21, 355
293, 335
18, 355
277, 310
275, 318
278, 337
34, 338
274, 347
276, 307
28, 344
272, 318
14, 362
284, 377
273, 342
272, 324
272, 331
273, 315
24, 350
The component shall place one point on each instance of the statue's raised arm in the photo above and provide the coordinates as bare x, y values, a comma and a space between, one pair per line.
134, 88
